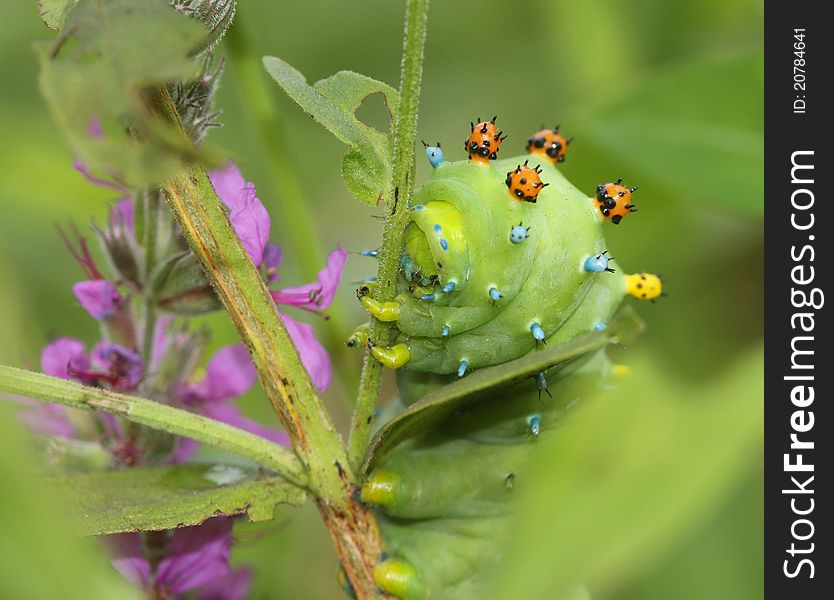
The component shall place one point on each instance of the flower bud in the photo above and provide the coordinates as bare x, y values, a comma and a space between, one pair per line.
181, 287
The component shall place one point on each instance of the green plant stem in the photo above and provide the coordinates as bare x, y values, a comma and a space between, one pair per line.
156, 416
205, 225
299, 234
151, 229
397, 217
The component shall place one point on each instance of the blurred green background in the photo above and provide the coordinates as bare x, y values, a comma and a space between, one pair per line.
665, 94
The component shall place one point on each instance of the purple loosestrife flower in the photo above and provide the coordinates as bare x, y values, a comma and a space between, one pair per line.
98, 297
195, 563
252, 224
229, 374
108, 364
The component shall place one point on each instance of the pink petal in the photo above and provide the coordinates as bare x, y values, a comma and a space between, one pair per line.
184, 449
122, 365
272, 260
63, 356
49, 419
81, 167
122, 215
313, 355
246, 212
99, 297
196, 556
126, 549
233, 586
230, 414
319, 294
229, 374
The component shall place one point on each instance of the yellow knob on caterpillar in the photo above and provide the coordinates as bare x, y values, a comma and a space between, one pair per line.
644, 286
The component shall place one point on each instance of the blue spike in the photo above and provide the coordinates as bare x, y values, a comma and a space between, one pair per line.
518, 233
534, 422
446, 331
541, 381
449, 287
408, 266
600, 326
598, 263
369, 253
538, 332
462, 368
435, 155
427, 297
494, 294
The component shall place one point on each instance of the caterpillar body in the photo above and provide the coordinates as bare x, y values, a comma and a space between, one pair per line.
503, 259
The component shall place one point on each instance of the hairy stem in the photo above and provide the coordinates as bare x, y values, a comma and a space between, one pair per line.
296, 218
396, 219
156, 416
205, 225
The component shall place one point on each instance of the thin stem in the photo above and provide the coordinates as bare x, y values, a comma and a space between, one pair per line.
298, 231
205, 225
151, 220
397, 216
156, 416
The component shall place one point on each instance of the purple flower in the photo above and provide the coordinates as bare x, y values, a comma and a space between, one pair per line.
229, 375
122, 215
252, 224
98, 297
111, 364
196, 560
313, 355
246, 212
82, 168
319, 294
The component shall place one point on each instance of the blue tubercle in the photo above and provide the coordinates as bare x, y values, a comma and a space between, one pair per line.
437, 228
444, 244
537, 331
434, 154
419, 207
494, 294
519, 233
446, 331
534, 422
369, 253
408, 266
541, 381
598, 263
447, 289
462, 368
428, 297
600, 326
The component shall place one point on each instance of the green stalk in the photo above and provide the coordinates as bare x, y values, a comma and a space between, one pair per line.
397, 218
156, 416
150, 206
298, 231
205, 225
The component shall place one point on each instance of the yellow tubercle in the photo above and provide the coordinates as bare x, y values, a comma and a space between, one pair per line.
393, 357
620, 371
644, 286
398, 577
379, 488
382, 311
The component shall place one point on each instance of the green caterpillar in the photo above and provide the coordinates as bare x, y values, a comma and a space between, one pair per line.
502, 261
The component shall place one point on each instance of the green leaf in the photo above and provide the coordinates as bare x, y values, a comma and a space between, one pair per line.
54, 12
630, 477
699, 127
96, 76
41, 558
150, 499
424, 414
333, 103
